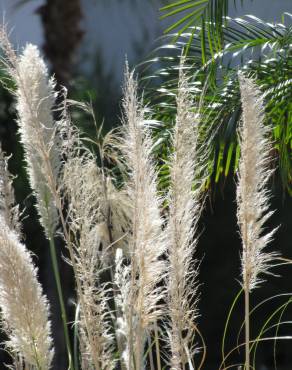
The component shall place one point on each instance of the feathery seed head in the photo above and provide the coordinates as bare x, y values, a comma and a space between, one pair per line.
142, 293
8, 210
83, 186
253, 197
24, 307
35, 100
185, 206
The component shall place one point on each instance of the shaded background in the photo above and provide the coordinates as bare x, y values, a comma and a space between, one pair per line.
86, 43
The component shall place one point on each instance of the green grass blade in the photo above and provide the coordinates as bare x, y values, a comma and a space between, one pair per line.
227, 324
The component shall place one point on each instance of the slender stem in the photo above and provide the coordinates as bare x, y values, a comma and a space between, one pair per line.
157, 348
114, 321
151, 361
36, 356
76, 328
139, 345
111, 241
247, 327
61, 299
183, 365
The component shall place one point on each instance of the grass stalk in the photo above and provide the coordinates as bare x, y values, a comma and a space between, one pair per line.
76, 325
227, 324
151, 361
157, 348
61, 299
247, 327
38, 366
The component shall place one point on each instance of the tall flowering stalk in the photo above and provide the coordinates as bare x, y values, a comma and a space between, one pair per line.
23, 305
253, 197
24, 308
141, 293
35, 101
185, 204
97, 218
35, 94
82, 182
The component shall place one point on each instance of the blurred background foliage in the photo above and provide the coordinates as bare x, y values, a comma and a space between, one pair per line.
215, 46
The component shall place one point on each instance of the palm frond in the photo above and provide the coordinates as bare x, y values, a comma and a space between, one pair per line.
258, 47
209, 16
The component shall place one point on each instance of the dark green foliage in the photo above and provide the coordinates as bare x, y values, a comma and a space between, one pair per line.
208, 16
262, 50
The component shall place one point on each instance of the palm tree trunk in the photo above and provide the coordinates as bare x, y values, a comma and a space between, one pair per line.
62, 33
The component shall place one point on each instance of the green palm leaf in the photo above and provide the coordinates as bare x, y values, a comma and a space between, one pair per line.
209, 15
262, 50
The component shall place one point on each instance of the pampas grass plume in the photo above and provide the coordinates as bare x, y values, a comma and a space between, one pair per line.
24, 307
143, 295
184, 212
253, 197
82, 183
35, 100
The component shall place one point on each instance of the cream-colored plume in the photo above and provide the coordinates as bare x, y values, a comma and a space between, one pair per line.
100, 209
98, 223
35, 100
8, 209
24, 308
142, 295
185, 204
253, 197
82, 183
